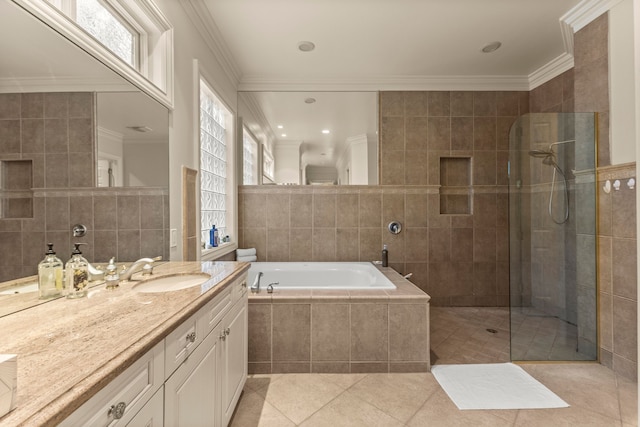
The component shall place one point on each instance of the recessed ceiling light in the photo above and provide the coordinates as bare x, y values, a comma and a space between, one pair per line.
284, 135
306, 46
310, 100
280, 127
326, 131
491, 47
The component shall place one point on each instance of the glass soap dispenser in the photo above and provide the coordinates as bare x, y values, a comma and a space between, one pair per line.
112, 277
76, 274
50, 275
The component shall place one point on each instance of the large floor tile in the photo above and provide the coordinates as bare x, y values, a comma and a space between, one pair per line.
258, 381
399, 395
628, 397
298, 396
344, 380
253, 411
563, 417
439, 410
349, 410
589, 386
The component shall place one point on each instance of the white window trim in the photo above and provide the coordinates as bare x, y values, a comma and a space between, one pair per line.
231, 180
156, 73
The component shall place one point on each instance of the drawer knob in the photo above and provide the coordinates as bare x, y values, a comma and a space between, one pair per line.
244, 284
223, 336
227, 331
117, 411
191, 337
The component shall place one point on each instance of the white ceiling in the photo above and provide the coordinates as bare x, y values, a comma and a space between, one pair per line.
386, 41
377, 45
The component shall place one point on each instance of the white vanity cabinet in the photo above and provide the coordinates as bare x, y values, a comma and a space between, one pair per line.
205, 388
194, 377
122, 398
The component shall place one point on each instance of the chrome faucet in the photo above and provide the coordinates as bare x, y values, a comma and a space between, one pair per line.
256, 283
146, 262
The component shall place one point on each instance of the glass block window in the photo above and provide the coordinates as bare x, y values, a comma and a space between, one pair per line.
249, 159
108, 28
213, 163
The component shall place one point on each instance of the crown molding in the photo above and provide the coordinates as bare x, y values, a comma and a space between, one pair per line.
201, 17
62, 84
256, 112
374, 83
550, 70
585, 12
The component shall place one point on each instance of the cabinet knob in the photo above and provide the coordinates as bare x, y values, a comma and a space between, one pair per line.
191, 337
227, 331
244, 284
117, 411
223, 336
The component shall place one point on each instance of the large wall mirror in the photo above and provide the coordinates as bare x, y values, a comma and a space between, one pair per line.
131, 146
317, 138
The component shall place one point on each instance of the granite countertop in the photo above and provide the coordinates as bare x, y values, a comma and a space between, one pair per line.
70, 349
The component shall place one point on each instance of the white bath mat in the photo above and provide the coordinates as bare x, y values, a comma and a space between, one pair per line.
494, 386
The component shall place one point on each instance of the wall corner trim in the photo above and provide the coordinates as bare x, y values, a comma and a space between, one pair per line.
585, 12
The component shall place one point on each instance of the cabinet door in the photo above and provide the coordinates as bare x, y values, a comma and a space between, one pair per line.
191, 393
151, 414
234, 358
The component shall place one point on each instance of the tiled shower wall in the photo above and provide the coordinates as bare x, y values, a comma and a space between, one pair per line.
457, 259
617, 275
55, 132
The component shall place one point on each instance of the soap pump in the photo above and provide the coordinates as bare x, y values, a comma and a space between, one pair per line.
76, 274
385, 256
50, 275
112, 278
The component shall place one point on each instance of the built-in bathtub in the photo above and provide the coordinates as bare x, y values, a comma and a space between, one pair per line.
336, 324
319, 275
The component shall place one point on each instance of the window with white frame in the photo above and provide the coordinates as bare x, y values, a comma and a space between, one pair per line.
131, 36
249, 159
216, 124
108, 27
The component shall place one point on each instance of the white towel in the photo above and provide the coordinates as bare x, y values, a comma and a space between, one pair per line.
247, 258
245, 252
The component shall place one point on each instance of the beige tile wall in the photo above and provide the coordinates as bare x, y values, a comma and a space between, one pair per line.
55, 133
617, 274
338, 335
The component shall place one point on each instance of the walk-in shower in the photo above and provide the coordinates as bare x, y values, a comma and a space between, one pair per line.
552, 233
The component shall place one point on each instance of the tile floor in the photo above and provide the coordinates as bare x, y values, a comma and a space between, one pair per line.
596, 396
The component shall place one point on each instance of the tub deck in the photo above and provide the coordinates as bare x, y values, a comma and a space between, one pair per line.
340, 331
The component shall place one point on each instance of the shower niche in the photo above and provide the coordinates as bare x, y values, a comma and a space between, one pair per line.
552, 237
16, 189
455, 185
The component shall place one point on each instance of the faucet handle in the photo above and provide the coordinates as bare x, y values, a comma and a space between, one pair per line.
147, 270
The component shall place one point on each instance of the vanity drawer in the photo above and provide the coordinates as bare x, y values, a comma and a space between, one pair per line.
239, 289
180, 343
122, 398
214, 311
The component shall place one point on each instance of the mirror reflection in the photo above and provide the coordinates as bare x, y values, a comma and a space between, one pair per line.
62, 113
309, 138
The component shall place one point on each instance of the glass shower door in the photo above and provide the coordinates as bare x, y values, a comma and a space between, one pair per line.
552, 236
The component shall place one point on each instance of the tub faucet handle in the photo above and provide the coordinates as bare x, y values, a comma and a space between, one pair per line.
270, 287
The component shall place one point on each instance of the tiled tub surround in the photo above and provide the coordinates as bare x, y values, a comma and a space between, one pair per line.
126, 223
322, 331
54, 135
456, 259
86, 343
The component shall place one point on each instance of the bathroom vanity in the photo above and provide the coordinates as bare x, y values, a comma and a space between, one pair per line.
134, 357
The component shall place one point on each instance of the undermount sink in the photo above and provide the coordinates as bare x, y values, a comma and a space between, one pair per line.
20, 289
174, 282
